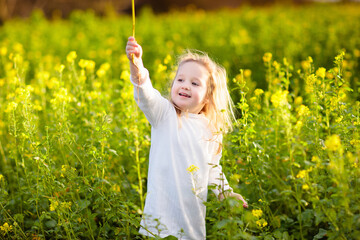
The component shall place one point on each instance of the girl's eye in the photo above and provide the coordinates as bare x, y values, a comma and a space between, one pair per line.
180, 80
195, 84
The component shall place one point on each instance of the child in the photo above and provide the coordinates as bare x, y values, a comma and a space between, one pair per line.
186, 136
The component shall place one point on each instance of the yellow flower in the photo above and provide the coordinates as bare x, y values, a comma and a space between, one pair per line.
97, 84
52, 83
355, 142
303, 110
125, 75
339, 119
1, 177
60, 68
276, 65
66, 205
257, 213
11, 107
333, 142
161, 68
3, 51
192, 169
305, 187
321, 72
103, 69
43, 75
71, 56
298, 100
100, 72
88, 64
6, 228
301, 174
258, 92
261, 223
279, 98
315, 159
53, 205
310, 81
267, 57
167, 59
2, 82
247, 73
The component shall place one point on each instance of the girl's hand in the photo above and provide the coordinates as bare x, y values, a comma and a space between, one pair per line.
234, 195
134, 53
133, 49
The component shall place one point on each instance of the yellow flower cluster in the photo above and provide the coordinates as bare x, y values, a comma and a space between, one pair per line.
103, 69
53, 205
60, 68
267, 57
3, 51
1, 177
71, 57
310, 82
258, 92
333, 143
306, 65
192, 169
261, 223
89, 65
11, 107
279, 98
321, 72
61, 97
257, 213
5, 228
303, 110
301, 174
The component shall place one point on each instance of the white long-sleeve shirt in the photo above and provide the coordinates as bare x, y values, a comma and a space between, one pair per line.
175, 191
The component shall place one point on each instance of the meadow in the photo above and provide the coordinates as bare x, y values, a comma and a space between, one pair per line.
74, 146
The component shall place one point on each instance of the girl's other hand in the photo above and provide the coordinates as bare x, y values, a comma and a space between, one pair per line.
236, 196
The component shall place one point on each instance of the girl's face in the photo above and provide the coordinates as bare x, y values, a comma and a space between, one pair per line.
189, 88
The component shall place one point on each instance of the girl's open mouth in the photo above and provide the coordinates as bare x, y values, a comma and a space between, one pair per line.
184, 95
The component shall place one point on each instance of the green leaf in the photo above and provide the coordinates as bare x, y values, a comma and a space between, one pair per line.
51, 223
321, 234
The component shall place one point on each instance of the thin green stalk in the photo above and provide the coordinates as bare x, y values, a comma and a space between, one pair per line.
137, 159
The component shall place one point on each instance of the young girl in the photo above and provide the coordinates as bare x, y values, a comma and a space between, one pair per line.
186, 136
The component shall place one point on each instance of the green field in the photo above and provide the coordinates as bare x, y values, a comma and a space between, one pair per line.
74, 146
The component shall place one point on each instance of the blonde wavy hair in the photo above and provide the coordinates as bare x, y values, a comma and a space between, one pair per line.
219, 107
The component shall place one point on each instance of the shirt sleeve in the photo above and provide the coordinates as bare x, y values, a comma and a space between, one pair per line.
217, 178
149, 100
